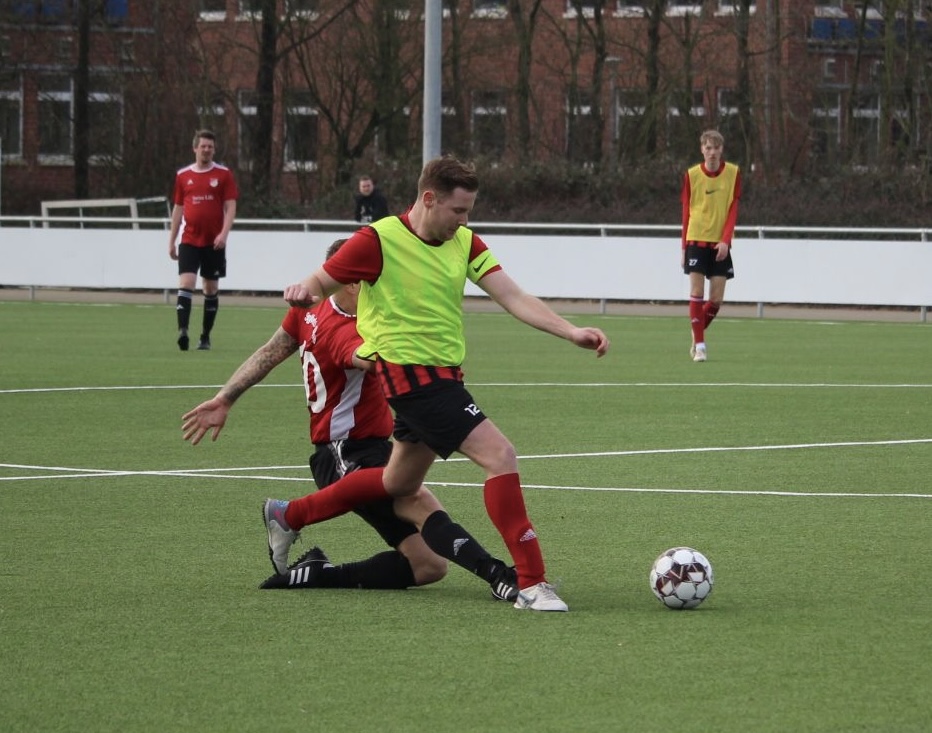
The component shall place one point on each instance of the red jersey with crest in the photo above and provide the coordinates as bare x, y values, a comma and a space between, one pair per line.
344, 402
202, 194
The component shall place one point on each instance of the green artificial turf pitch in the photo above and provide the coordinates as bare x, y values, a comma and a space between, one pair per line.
797, 459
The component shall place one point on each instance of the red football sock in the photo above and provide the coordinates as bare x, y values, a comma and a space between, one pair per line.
339, 498
697, 319
710, 310
505, 505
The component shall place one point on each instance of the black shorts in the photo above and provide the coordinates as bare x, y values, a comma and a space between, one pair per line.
440, 415
702, 259
211, 262
332, 461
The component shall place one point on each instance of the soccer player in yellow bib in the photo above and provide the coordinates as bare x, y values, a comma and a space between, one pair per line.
710, 195
413, 269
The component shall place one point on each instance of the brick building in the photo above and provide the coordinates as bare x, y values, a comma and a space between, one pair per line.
100, 97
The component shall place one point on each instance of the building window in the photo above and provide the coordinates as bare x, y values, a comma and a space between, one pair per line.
105, 118
212, 114
302, 8
249, 9
11, 115
685, 125
630, 108
489, 9
731, 7
865, 129
684, 7
582, 136
302, 131
584, 7
248, 107
55, 115
53, 12
213, 10
631, 8
488, 123
728, 122
829, 9
825, 127
450, 139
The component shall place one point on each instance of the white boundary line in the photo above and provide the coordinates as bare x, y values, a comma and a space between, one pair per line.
247, 473
509, 385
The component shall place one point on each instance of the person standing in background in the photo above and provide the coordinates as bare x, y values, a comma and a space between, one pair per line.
370, 203
710, 195
204, 199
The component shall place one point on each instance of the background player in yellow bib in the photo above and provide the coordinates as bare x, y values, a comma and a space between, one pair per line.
710, 195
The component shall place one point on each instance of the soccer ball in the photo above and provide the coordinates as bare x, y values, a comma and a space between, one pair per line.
681, 577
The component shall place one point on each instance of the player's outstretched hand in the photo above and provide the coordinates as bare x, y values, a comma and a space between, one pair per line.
591, 338
207, 416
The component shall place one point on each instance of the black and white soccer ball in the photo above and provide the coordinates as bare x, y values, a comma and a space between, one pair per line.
681, 577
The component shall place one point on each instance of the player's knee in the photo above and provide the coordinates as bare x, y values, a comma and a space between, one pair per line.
429, 569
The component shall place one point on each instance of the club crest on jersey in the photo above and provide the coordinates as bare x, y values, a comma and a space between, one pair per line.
214, 182
311, 319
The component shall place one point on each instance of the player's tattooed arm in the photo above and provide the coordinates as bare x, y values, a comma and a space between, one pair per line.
257, 367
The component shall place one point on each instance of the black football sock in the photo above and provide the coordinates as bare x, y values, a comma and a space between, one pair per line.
183, 309
211, 306
450, 540
385, 571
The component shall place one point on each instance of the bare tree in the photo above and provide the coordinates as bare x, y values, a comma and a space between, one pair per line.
524, 17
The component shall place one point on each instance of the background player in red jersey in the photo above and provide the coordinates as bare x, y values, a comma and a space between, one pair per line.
709, 197
350, 423
205, 197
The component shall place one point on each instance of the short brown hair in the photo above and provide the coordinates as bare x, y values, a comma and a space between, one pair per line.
712, 136
205, 135
443, 175
334, 248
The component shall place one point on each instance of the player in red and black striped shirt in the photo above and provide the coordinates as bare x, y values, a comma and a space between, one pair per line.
350, 425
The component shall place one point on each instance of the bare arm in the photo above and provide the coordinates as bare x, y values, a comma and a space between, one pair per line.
312, 289
534, 312
229, 214
212, 415
173, 232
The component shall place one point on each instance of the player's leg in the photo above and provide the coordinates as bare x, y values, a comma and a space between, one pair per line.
716, 297
450, 540
487, 446
213, 267
284, 519
695, 263
696, 314
188, 264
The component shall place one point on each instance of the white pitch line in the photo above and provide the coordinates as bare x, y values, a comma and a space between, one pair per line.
240, 473
714, 492
509, 385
